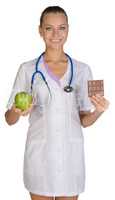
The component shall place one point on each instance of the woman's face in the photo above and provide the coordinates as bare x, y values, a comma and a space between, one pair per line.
54, 30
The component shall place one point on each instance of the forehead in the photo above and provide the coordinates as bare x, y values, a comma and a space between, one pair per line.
55, 19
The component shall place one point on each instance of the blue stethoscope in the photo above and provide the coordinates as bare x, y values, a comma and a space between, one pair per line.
67, 88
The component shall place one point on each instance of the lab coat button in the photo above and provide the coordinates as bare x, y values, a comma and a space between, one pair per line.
57, 109
59, 170
57, 131
59, 149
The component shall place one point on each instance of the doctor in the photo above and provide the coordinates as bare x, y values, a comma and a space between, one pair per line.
54, 153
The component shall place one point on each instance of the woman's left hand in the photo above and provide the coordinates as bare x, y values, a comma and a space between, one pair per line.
101, 104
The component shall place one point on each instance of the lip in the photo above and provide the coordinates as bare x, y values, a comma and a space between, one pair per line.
56, 40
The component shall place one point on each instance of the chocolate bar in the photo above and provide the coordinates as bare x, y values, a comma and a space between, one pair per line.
95, 87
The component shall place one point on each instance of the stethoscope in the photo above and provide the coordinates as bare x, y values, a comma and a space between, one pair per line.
67, 88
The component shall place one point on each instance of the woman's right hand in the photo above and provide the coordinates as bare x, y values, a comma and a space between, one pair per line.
20, 112
13, 115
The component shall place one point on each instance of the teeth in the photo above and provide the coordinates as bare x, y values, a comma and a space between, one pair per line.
55, 40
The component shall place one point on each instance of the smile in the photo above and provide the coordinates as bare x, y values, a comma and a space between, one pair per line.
55, 40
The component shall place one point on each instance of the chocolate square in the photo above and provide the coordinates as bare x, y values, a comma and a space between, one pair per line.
95, 87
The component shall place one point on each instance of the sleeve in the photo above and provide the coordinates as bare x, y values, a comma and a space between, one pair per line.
84, 101
18, 86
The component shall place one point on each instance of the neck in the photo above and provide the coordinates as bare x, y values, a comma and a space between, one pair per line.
54, 55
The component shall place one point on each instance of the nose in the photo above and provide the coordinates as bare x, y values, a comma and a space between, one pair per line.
55, 32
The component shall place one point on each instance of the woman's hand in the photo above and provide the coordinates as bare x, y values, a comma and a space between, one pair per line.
101, 104
22, 113
13, 115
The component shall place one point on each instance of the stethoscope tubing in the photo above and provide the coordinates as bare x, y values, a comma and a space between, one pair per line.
67, 88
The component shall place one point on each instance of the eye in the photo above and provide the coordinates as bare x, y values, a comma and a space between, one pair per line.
62, 28
48, 28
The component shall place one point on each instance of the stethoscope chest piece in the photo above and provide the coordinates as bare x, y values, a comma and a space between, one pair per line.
68, 88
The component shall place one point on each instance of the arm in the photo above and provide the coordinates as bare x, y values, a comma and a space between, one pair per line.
88, 118
14, 114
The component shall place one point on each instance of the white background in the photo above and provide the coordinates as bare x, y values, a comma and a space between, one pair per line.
91, 40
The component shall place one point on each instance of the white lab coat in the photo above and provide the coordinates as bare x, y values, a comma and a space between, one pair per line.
54, 152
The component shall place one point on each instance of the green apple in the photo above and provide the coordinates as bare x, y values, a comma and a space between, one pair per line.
23, 100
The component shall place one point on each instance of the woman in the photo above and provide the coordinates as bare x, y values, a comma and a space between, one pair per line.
54, 153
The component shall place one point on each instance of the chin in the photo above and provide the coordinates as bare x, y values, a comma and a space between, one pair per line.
56, 45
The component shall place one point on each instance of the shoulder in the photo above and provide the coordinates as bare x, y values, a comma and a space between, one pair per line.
82, 70
81, 66
28, 65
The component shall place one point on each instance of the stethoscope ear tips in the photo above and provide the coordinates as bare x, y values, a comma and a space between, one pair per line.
68, 88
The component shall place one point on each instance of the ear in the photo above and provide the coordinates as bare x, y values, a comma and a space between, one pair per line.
40, 30
68, 27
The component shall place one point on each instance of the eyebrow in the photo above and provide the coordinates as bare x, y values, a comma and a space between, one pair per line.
58, 25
